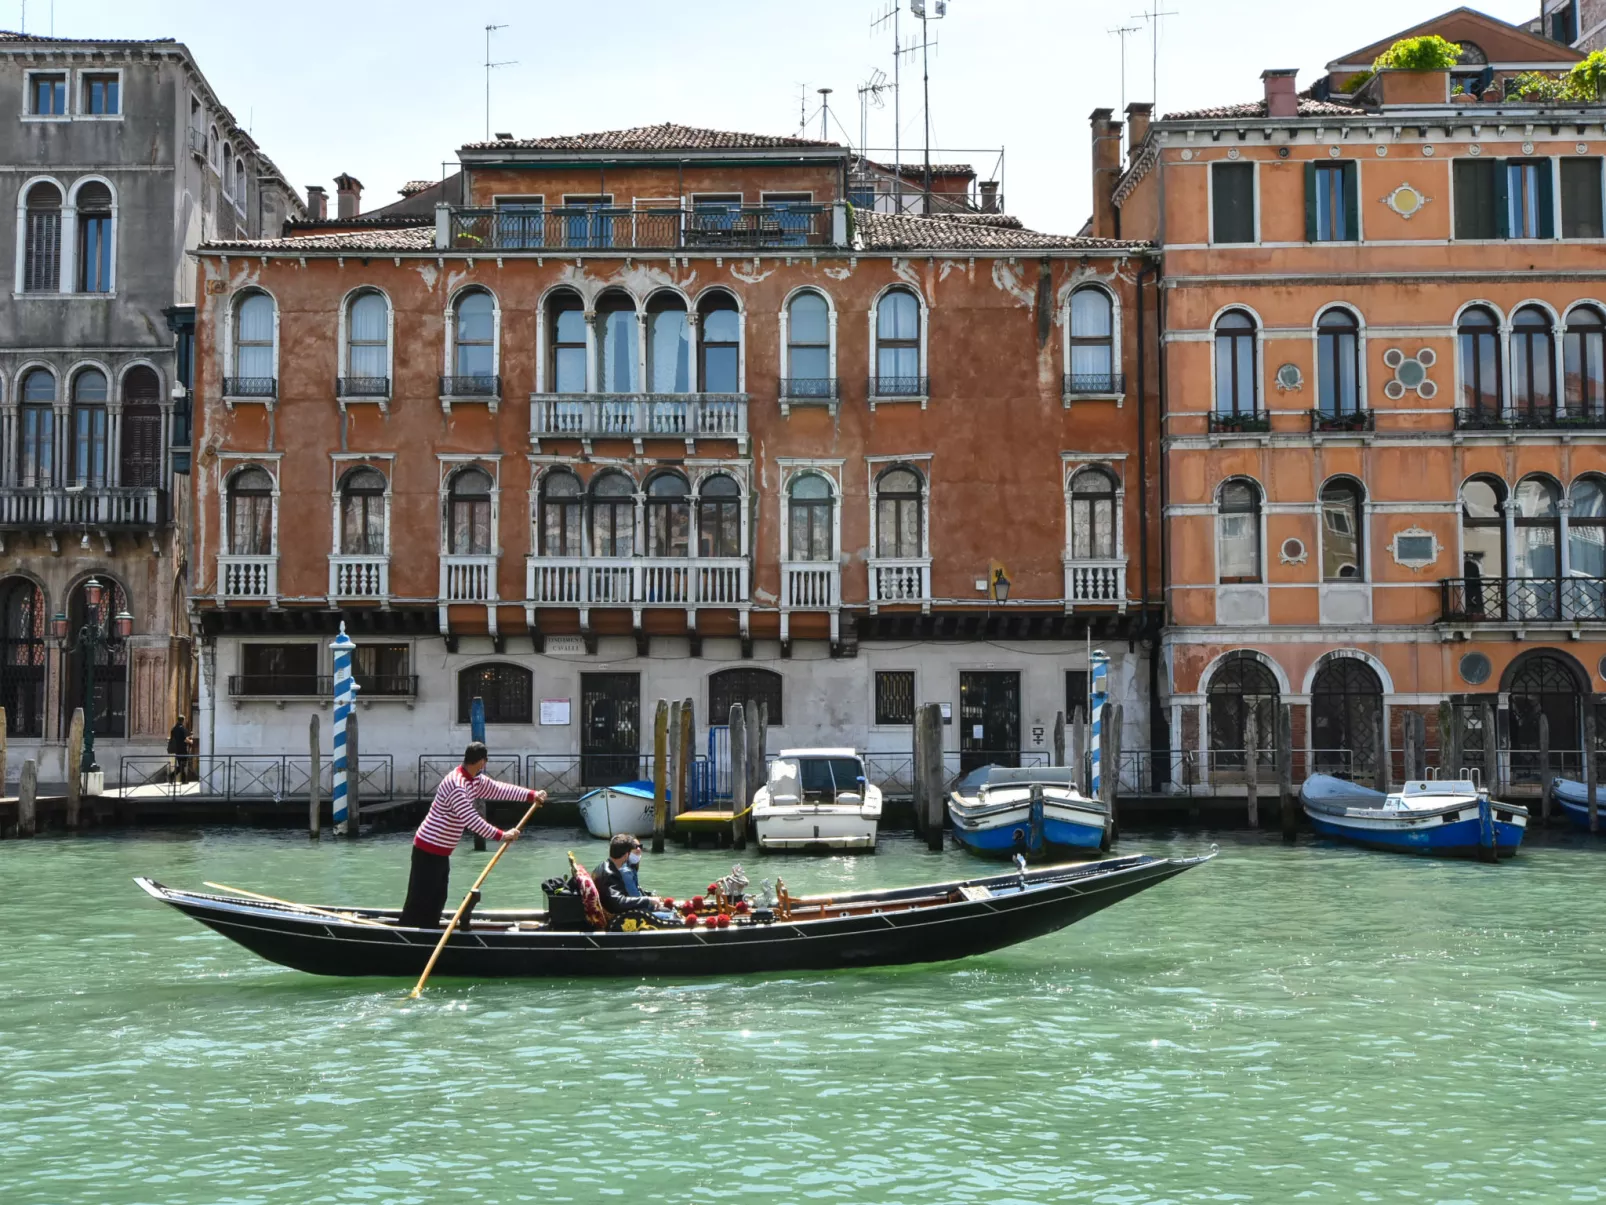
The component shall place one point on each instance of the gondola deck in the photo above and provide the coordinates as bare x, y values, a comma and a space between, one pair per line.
930, 923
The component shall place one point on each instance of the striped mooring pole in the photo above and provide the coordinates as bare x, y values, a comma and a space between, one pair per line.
345, 698
1099, 664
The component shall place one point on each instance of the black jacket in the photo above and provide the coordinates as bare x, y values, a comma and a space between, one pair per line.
611, 886
178, 741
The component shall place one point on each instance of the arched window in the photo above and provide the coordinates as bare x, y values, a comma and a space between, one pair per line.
566, 335
1544, 684
1584, 357
1346, 699
1241, 687
227, 175
668, 345
362, 513
1343, 543
1236, 388
1478, 336
560, 514
719, 345
95, 238
22, 656
36, 429
1536, 556
897, 345
1338, 362
474, 343
468, 513
808, 348
239, 183
109, 711
731, 686
255, 353
616, 343
1092, 343
140, 442
719, 517
898, 518
1483, 545
811, 508
613, 515
1586, 549
89, 428
367, 346
506, 690
214, 143
1533, 359
41, 263
1238, 532
250, 500
1093, 516
668, 516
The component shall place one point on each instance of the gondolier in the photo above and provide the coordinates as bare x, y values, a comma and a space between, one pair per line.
450, 813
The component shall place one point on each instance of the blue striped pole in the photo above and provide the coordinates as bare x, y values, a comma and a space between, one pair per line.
345, 697
1099, 663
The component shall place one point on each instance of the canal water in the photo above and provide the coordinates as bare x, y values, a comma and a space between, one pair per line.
1303, 1023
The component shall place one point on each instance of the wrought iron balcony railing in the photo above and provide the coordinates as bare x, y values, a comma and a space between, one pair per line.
808, 389
1239, 421
654, 227
1093, 384
1470, 419
478, 386
898, 387
94, 506
253, 387
362, 386
1342, 420
1523, 600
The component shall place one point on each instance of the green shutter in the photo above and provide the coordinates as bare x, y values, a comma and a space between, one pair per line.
1310, 202
1352, 201
1547, 200
1502, 201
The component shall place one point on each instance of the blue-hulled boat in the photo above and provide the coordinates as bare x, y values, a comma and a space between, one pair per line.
1443, 818
1001, 811
1573, 798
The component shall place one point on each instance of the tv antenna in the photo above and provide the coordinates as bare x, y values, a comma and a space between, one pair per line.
927, 11
1153, 18
889, 16
489, 66
1122, 33
870, 94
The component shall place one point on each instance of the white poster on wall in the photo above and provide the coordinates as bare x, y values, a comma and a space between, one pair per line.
554, 711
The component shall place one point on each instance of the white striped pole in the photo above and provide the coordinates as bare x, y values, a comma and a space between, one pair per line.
1099, 662
345, 697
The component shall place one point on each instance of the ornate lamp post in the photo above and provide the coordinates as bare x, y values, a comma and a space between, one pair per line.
94, 635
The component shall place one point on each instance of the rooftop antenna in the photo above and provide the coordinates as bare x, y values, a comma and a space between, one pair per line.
927, 10
890, 16
870, 93
825, 112
489, 66
1122, 33
1153, 17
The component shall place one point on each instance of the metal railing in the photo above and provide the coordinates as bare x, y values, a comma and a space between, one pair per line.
468, 577
482, 385
321, 686
658, 227
1093, 383
250, 386
898, 387
900, 581
197, 142
362, 386
272, 778
1344, 420
1470, 419
1095, 581
894, 773
247, 576
636, 581
811, 585
1227, 422
1519, 599
808, 389
82, 506
359, 576
627, 415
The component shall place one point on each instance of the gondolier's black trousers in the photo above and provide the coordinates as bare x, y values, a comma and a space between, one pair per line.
426, 890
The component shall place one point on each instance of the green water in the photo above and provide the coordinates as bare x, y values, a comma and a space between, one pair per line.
1282, 1024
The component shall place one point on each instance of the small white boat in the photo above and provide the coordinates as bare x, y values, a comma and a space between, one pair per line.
626, 808
1443, 817
817, 799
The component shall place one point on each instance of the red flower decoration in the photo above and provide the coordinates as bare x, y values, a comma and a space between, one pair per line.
697, 903
691, 921
723, 922
712, 888
741, 905
669, 901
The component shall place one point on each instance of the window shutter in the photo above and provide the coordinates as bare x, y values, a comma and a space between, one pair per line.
1310, 202
1352, 201
1502, 200
1547, 200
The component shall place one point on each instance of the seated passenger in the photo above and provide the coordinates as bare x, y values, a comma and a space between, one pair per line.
616, 878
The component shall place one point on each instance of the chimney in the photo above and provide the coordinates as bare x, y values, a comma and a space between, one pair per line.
349, 191
1138, 114
317, 202
989, 196
1282, 96
1106, 170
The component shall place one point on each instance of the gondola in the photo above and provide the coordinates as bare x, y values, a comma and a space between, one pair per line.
932, 923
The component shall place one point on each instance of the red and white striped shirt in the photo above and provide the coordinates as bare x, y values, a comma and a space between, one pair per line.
453, 810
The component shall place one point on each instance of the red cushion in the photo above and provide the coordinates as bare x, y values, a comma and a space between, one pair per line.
590, 898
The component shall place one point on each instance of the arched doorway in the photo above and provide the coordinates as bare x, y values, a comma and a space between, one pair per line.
1346, 699
110, 712
1550, 685
1242, 685
22, 656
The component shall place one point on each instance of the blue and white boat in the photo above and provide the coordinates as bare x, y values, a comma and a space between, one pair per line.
1001, 811
1443, 818
1573, 798
625, 808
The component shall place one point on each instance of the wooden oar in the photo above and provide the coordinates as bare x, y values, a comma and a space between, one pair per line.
463, 907
268, 899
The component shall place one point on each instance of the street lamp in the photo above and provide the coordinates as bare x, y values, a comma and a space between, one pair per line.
1000, 586
94, 635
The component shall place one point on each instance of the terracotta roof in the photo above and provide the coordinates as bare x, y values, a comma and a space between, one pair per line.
377, 221
11, 35
1257, 108
977, 231
413, 186
411, 238
665, 137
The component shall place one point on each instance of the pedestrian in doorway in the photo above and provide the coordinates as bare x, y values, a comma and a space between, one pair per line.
178, 748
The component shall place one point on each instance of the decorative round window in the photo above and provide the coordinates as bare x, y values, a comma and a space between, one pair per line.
1602, 667
1293, 552
1475, 669
1410, 372
1289, 377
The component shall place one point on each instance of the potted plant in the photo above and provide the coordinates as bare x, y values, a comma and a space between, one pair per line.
1416, 71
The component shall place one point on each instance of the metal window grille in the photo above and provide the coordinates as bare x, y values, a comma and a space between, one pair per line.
895, 697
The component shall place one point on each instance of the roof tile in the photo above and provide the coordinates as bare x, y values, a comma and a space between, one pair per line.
1257, 108
964, 232
666, 136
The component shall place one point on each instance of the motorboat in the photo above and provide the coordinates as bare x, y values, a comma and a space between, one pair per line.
1443, 817
1000, 810
930, 923
1572, 797
625, 808
817, 799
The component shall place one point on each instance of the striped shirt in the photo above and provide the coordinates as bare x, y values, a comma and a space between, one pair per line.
453, 810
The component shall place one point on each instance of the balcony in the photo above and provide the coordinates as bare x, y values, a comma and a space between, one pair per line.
1467, 419
900, 582
1095, 582
1523, 600
636, 582
358, 577
638, 417
898, 389
250, 389
810, 586
197, 142
320, 686
247, 577
1244, 422
480, 388
363, 389
93, 507
808, 391
1090, 385
1329, 422
468, 578
652, 227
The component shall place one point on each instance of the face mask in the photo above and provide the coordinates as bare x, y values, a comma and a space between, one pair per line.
635, 857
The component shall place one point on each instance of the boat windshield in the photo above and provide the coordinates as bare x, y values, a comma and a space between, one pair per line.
827, 777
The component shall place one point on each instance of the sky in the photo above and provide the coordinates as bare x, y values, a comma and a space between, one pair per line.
388, 89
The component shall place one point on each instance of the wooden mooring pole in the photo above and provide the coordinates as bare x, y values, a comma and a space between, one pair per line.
1287, 811
75, 761
1590, 762
2, 751
1449, 752
1491, 752
660, 775
476, 732
675, 799
1059, 738
1544, 768
738, 756
1385, 771
353, 778
928, 765
314, 759
1408, 745
1079, 749
681, 800
1252, 765
27, 798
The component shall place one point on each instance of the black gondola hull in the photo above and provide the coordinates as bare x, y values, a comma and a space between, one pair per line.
1051, 899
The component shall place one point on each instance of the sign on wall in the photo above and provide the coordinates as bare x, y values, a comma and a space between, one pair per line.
554, 711
564, 646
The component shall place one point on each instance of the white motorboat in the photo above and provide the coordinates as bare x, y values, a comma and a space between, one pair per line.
626, 808
817, 799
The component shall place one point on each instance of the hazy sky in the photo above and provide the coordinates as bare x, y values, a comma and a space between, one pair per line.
387, 89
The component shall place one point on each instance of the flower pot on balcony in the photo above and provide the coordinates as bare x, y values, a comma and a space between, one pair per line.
1464, 98
1493, 95
1398, 87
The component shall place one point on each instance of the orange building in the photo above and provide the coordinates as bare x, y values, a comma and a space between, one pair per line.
658, 413
1384, 392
